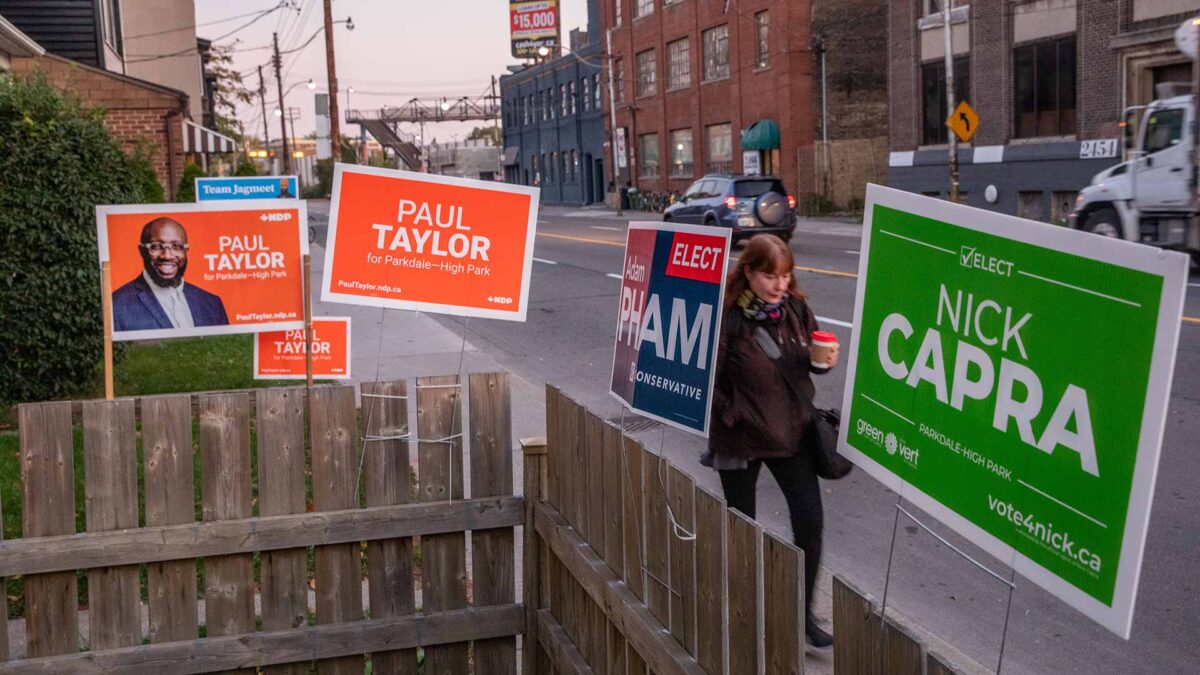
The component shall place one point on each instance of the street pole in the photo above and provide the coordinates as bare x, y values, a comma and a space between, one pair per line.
335, 138
950, 104
262, 98
287, 153
612, 112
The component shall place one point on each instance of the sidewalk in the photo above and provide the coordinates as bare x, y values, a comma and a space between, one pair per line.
841, 226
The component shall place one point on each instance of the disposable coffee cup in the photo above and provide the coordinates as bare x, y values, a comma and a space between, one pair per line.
820, 348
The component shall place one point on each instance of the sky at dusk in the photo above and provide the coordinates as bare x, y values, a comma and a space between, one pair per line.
398, 50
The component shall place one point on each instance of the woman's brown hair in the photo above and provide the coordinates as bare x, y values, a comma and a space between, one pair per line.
764, 253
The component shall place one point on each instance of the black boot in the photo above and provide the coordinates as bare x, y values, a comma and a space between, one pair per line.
816, 635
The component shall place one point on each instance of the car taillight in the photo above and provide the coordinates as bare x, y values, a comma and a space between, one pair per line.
791, 202
731, 202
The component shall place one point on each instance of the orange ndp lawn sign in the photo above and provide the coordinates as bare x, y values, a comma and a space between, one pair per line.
429, 243
279, 355
210, 268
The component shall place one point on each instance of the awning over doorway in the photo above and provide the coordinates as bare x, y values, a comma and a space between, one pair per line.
762, 135
203, 140
510, 156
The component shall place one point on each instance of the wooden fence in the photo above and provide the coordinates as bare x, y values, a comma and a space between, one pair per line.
630, 566
279, 513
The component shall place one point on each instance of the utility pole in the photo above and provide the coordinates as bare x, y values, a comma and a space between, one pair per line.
950, 104
612, 115
287, 153
262, 98
335, 137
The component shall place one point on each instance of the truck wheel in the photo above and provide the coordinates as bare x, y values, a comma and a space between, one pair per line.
1104, 222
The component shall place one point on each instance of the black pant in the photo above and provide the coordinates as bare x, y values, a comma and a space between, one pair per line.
797, 478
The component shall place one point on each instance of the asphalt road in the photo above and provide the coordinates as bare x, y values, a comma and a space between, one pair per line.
567, 340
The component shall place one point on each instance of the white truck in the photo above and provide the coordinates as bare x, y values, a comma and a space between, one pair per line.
1152, 196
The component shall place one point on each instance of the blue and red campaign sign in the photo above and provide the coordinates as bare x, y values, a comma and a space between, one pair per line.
669, 323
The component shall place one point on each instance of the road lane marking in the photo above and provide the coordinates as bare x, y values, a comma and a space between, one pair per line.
603, 227
1194, 285
821, 270
619, 244
542, 260
843, 324
852, 252
1191, 319
613, 276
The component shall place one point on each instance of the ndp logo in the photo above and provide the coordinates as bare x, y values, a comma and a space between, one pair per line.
889, 442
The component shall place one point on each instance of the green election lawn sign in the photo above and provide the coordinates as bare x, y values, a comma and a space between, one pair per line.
1011, 378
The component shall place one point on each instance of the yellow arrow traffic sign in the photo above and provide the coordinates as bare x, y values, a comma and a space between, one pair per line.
964, 121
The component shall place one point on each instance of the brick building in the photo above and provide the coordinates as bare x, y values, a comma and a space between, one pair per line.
692, 75
1049, 79
139, 113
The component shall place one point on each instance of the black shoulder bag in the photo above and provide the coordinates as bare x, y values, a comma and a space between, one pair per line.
823, 433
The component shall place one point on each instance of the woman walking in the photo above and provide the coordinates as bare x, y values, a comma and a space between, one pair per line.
762, 402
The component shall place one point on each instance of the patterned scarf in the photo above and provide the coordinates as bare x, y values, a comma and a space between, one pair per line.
753, 307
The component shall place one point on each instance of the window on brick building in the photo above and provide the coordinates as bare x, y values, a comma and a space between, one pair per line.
619, 76
1044, 88
648, 156
529, 108
585, 93
720, 148
646, 72
679, 68
617, 12
596, 91
935, 6
716, 53
933, 97
571, 95
563, 100
537, 170
551, 163
761, 46
681, 153
642, 8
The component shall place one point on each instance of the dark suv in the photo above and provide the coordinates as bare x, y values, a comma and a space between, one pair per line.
746, 204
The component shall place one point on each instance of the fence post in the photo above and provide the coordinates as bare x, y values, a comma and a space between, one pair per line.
536, 478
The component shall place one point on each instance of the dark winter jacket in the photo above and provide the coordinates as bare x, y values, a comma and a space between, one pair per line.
755, 414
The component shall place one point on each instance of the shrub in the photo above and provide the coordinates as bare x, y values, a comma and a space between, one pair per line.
57, 161
187, 183
245, 168
151, 190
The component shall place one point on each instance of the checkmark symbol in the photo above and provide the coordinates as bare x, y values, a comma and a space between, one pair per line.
965, 255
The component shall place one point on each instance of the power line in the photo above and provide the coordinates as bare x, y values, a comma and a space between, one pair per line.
192, 49
188, 27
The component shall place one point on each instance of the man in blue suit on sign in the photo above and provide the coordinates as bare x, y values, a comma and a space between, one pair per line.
158, 298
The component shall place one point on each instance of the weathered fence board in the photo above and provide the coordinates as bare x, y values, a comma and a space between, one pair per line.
901, 651
632, 506
681, 490
657, 532
783, 606
743, 562
389, 480
346, 639
225, 494
642, 631
936, 664
856, 649
443, 556
493, 563
711, 529
170, 498
281, 474
3, 600
110, 483
564, 657
334, 474
534, 561
48, 473
247, 535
